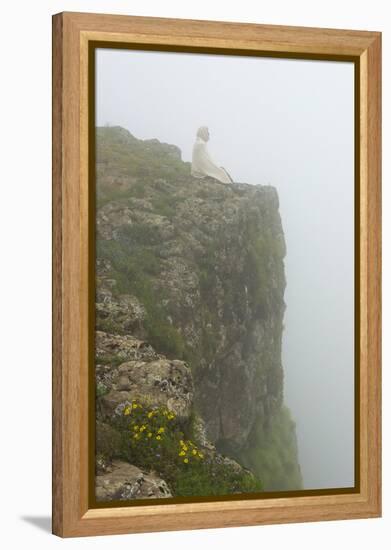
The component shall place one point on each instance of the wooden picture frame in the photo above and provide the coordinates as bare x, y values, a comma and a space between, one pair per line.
73, 34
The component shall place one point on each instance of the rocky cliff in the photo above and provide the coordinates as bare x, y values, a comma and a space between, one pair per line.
189, 308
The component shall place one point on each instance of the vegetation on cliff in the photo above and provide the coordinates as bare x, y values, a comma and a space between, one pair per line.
195, 268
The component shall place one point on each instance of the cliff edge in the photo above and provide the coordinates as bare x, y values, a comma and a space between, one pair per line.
193, 272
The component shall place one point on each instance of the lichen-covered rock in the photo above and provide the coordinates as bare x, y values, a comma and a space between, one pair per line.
124, 481
120, 348
161, 382
121, 314
113, 349
206, 272
193, 270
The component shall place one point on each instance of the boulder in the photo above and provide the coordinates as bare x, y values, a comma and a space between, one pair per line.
160, 382
124, 481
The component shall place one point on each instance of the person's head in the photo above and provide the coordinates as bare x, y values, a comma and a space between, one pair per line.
203, 133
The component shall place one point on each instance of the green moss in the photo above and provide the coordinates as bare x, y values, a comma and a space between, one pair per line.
164, 205
140, 234
133, 273
163, 336
112, 360
264, 265
107, 441
108, 325
101, 390
272, 453
209, 479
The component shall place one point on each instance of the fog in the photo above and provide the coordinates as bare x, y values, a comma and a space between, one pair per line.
290, 124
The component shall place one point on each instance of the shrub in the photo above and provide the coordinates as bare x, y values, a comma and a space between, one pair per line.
153, 438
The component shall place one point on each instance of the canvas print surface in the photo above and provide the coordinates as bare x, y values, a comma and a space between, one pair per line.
224, 242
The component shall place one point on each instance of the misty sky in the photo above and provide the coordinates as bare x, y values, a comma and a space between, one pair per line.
290, 124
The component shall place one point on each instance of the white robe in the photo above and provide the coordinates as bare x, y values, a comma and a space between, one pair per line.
202, 165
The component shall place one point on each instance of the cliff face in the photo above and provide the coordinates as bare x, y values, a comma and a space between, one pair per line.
195, 269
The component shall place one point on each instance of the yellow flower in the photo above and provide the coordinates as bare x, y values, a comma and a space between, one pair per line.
136, 436
185, 448
150, 434
142, 428
200, 455
194, 452
158, 437
135, 405
126, 410
186, 460
150, 414
182, 442
135, 428
160, 430
170, 416
182, 453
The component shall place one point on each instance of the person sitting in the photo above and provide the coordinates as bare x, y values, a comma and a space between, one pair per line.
202, 165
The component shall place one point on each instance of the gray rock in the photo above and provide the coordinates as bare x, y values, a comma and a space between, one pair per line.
117, 313
161, 382
127, 482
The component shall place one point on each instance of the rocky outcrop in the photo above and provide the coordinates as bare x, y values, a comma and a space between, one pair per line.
133, 373
123, 481
142, 375
190, 295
